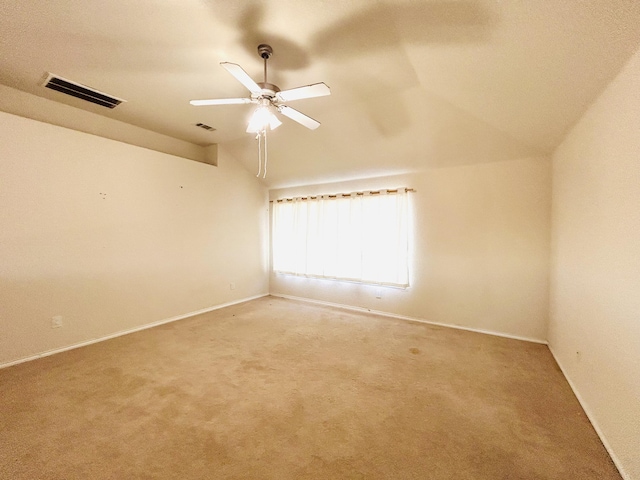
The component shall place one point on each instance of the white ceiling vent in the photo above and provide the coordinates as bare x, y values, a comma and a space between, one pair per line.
83, 92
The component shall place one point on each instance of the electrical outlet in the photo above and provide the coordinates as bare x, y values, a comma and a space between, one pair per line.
56, 322
232, 286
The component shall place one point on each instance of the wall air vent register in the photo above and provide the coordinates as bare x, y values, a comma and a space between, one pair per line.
80, 91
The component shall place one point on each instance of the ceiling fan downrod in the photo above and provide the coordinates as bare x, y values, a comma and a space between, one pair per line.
265, 51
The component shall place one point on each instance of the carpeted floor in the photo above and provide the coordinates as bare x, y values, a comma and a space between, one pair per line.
277, 389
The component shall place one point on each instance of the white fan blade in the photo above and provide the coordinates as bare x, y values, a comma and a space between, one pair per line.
221, 101
310, 91
296, 116
242, 76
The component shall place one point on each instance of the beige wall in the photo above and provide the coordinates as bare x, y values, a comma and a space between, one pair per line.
595, 295
481, 249
112, 236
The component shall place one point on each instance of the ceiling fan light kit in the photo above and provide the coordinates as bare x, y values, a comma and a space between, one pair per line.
270, 99
262, 118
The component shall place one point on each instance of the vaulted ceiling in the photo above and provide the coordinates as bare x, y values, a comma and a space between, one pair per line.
415, 84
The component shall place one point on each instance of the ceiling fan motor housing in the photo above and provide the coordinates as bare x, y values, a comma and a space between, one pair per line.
269, 90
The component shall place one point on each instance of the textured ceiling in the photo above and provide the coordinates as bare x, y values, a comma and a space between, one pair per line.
415, 84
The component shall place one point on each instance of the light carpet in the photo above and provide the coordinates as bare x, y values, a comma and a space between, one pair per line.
279, 389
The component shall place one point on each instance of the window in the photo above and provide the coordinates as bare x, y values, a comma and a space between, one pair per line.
360, 237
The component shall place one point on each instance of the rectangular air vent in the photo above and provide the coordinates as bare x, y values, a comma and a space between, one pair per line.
205, 126
83, 92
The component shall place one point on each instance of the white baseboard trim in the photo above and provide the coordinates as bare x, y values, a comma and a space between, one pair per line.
411, 319
592, 419
126, 332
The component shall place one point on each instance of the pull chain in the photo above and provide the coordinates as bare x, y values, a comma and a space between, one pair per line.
259, 154
262, 134
265, 154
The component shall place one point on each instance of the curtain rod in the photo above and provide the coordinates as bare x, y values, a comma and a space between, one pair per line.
336, 195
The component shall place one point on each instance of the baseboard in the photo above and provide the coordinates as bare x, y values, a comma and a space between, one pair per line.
592, 419
126, 332
410, 319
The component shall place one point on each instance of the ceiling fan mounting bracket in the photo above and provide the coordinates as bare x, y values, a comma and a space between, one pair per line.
265, 51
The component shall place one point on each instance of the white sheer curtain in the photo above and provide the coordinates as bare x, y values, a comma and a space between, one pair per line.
361, 237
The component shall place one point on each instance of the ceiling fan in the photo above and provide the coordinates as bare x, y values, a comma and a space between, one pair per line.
268, 97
